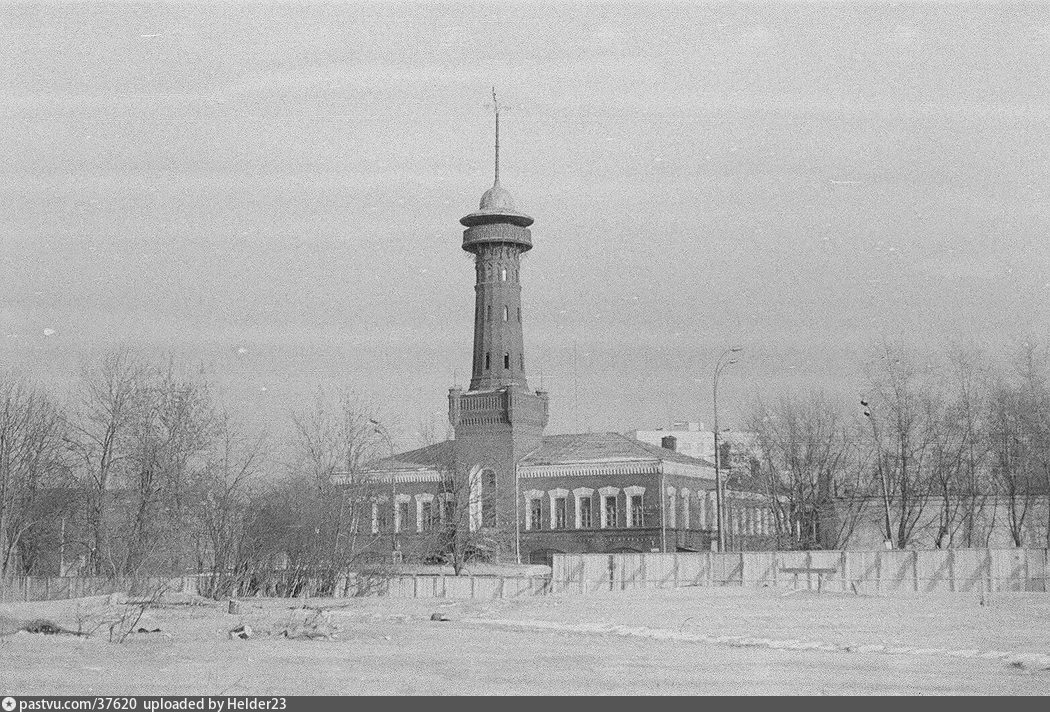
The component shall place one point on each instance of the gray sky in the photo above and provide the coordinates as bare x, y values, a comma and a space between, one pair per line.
275, 190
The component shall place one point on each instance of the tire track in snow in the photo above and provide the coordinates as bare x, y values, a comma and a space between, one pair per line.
1032, 661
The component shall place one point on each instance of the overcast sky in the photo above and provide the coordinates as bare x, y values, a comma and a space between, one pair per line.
274, 190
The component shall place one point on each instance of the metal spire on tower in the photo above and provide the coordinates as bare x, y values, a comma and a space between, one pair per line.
495, 105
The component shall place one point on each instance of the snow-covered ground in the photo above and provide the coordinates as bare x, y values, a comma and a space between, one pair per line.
685, 641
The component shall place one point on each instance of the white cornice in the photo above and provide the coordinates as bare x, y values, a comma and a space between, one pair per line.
388, 476
623, 467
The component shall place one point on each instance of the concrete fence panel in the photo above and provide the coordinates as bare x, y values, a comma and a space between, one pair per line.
891, 572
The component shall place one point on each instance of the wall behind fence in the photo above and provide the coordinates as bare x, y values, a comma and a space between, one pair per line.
878, 572
52, 588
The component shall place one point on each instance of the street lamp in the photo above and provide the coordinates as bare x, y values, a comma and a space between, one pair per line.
882, 472
380, 430
720, 365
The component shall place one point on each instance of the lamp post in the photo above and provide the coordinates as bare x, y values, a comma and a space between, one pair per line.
882, 473
380, 430
720, 365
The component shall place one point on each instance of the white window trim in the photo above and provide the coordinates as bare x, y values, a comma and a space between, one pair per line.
420, 499
577, 494
629, 492
607, 492
399, 500
555, 494
531, 496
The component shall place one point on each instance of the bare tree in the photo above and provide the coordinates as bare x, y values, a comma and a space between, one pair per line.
141, 433
1019, 412
905, 418
168, 441
809, 467
315, 524
960, 451
31, 469
100, 427
225, 497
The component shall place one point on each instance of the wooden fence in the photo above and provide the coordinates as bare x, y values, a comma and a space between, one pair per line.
871, 572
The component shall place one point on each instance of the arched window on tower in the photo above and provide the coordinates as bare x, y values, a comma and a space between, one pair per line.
488, 312
521, 360
488, 356
506, 362
488, 498
519, 315
506, 313
503, 274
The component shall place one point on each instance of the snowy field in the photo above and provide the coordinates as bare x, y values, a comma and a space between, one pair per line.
685, 641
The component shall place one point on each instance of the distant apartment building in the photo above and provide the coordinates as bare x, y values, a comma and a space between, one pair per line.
738, 448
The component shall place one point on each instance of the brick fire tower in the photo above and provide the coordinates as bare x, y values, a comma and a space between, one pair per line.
498, 421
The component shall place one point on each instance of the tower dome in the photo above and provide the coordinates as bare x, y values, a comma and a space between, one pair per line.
496, 205
497, 198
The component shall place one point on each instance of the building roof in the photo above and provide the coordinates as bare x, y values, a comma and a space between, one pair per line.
431, 457
603, 447
579, 448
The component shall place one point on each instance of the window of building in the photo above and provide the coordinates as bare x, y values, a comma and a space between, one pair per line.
503, 274
536, 514
383, 517
521, 361
506, 362
488, 498
519, 315
402, 516
450, 512
426, 519
585, 512
506, 313
488, 358
610, 511
488, 312
637, 518
561, 520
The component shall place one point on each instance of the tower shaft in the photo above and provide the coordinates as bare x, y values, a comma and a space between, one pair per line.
499, 346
